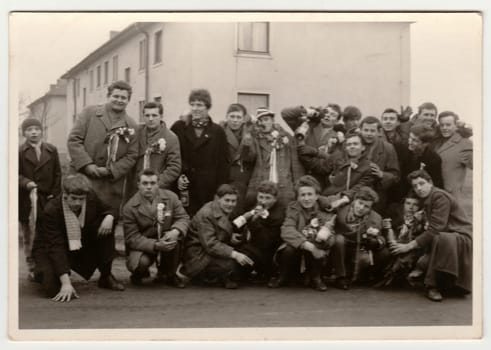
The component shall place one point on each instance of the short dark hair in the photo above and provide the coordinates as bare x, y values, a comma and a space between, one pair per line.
390, 110
355, 132
77, 184
419, 173
448, 114
269, 187
427, 105
146, 172
225, 189
423, 132
412, 195
336, 107
367, 194
371, 120
120, 85
237, 107
202, 95
351, 113
307, 181
149, 105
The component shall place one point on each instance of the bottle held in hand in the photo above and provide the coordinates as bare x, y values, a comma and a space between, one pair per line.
388, 231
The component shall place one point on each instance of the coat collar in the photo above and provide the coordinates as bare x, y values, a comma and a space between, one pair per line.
231, 138
142, 136
145, 209
102, 113
222, 219
451, 142
30, 154
206, 135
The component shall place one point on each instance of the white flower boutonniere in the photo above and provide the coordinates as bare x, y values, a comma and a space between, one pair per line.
161, 142
125, 132
353, 165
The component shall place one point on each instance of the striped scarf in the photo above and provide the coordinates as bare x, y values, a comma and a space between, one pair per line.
73, 225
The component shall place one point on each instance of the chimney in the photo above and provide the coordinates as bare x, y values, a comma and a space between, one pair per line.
113, 33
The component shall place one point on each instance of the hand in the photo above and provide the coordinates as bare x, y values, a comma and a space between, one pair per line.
65, 294
318, 253
399, 248
106, 226
332, 142
91, 171
307, 150
30, 185
182, 183
103, 172
172, 235
242, 259
165, 246
375, 170
236, 238
405, 113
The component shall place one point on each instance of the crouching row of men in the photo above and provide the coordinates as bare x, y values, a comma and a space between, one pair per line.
315, 235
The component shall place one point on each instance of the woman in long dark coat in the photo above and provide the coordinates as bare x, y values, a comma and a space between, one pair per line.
204, 152
448, 239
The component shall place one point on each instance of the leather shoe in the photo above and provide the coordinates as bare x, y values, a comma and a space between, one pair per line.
341, 283
434, 294
109, 282
319, 285
276, 282
176, 282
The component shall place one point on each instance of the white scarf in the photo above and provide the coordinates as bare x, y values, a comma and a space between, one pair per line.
73, 225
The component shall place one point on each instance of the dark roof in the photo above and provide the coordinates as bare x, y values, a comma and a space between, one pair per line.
130, 31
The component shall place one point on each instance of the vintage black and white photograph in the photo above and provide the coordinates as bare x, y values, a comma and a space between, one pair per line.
245, 176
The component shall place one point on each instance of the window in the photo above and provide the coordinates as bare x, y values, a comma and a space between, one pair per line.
84, 97
91, 80
98, 76
77, 87
115, 68
157, 58
143, 54
127, 74
140, 110
106, 72
253, 101
157, 99
253, 37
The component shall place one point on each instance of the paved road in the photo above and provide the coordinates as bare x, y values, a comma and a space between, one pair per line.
156, 306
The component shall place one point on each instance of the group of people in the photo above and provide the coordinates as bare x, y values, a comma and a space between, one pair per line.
345, 199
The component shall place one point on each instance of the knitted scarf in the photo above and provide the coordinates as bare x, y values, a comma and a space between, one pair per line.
73, 225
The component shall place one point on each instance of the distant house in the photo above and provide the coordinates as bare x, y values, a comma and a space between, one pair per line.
51, 110
274, 64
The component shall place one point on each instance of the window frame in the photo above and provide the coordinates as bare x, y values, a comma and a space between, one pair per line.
158, 51
253, 52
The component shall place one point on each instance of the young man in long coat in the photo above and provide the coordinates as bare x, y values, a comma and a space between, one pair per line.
39, 168
158, 149
103, 145
455, 152
142, 223
75, 233
447, 238
210, 246
204, 152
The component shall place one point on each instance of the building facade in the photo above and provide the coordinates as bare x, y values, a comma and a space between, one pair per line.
273, 64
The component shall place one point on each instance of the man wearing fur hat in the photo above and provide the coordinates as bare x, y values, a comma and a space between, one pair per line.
39, 177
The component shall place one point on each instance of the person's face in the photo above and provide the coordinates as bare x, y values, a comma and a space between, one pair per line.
33, 134
369, 132
148, 186
227, 203
307, 196
427, 116
119, 100
266, 200
361, 207
351, 123
235, 120
74, 201
415, 144
389, 121
411, 205
330, 117
447, 126
198, 109
151, 117
422, 187
266, 123
354, 147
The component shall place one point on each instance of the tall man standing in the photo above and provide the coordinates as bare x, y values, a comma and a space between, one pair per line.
103, 146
